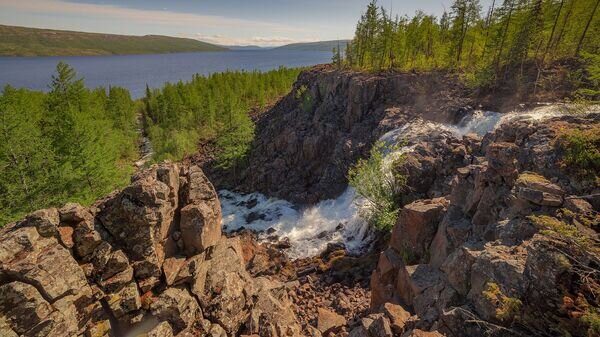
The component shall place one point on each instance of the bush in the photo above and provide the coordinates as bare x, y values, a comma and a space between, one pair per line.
374, 180
581, 151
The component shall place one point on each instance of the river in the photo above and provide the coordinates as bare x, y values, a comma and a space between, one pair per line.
135, 71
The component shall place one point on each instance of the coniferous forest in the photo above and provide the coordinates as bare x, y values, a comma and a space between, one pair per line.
214, 108
74, 144
486, 44
70, 144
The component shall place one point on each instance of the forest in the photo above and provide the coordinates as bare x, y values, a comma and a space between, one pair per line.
71, 144
75, 144
212, 109
485, 44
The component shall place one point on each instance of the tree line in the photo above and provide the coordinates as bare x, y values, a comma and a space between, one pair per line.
481, 42
212, 108
70, 144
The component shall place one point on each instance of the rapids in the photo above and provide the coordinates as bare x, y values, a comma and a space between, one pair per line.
311, 229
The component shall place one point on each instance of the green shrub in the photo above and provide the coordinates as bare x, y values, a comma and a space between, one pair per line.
303, 95
374, 180
592, 320
507, 308
581, 151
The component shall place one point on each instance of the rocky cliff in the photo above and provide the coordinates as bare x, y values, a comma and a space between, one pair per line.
148, 260
305, 144
509, 249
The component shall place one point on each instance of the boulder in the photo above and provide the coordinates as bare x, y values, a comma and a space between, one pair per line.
200, 227
223, 286
124, 301
171, 268
117, 263
416, 227
381, 327
502, 158
40, 261
383, 279
65, 235
328, 321
200, 222
272, 313
85, 238
398, 317
497, 266
457, 268
73, 213
147, 207
177, 306
539, 190
45, 220
414, 280
27, 313
117, 281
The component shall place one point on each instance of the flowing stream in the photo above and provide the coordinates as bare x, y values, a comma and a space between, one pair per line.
310, 229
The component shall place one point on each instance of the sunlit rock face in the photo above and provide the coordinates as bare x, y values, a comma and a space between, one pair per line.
147, 259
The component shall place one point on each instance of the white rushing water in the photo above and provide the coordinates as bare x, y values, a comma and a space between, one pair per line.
338, 220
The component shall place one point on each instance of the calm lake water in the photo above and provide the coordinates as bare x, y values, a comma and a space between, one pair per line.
135, 71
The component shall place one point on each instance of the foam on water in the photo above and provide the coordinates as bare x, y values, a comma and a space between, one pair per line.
309, 230
338, 220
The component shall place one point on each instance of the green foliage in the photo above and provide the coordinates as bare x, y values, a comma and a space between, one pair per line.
592, 69
485, 47
507, 308
581, 150
71, 144
22, 41
304, 97
213, 108
592, 320
374, 180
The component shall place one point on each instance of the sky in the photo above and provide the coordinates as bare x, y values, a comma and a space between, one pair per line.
225, 22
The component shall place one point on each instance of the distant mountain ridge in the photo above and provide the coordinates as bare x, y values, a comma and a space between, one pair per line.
24, 41
316, 46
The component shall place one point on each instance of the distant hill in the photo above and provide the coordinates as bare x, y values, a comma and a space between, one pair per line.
315, 46
245, 47
22, 41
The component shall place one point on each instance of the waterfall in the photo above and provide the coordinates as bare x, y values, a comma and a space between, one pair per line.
310, 229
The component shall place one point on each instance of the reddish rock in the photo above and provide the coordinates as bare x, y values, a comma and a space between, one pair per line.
177, 306
171, 268
414, 280
421, 333
397, 315
416, 227
328, 321
73, 213
65, 234
200, 223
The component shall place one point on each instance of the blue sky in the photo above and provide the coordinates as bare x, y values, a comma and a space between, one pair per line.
230, 22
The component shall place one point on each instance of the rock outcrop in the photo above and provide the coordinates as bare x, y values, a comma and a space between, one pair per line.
305, 144
502, 252
149, 259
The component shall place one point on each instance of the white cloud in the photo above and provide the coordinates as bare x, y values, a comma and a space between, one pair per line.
268, 41
161, 17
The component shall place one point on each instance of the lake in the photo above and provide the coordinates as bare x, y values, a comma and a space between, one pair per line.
135, 71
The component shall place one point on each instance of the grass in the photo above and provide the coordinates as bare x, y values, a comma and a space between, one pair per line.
531, 177
22, 41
